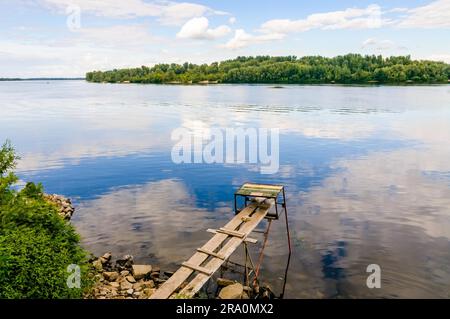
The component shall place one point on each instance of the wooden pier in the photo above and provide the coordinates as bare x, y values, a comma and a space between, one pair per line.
259, 199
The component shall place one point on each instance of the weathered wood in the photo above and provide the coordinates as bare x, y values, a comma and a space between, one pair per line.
211, 253
231, 232
182, 274
200, 269
251, 185
259, 190
214, 264
247, 239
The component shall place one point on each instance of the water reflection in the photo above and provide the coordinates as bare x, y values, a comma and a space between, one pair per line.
366, 171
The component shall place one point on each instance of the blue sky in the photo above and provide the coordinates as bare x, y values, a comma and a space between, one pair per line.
71, 37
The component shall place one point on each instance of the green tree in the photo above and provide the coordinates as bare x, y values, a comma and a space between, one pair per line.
36, 244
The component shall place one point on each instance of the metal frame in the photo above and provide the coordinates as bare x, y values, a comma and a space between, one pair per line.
269, 217
275, 198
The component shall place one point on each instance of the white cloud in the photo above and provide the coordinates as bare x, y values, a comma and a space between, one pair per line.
439, 57
433, 15
198, 28
179, 13
242, 39
277, 29
350, 18
168, 12
232, 20
380, 45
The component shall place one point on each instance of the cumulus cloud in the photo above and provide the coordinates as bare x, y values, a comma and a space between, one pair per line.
433, 15
198, 28
242, 39
277, 29
168, 12
351, 18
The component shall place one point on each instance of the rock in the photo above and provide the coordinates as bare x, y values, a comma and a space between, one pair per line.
107, 256
125, 262
63, 204
157, 269
148, 284
154, 274
111, 275
233, 291
169, 273
124, 273
130, 291
114, 284
97, 265
130, 279
141, 271
136, 294
137, 285
103, 260
222, 282
125, 285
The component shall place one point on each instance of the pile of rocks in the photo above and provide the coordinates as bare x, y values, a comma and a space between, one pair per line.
230, 289
123, 279
64, 205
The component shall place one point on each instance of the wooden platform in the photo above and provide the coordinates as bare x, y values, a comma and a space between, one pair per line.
208, 259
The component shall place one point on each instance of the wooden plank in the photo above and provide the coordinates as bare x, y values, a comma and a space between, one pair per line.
258, 192
247, 239
274, 187
231, 232
214, 264
211, 253
201, 269
182, 274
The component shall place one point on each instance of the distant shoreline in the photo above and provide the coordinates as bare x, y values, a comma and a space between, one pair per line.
40, 79
280, 70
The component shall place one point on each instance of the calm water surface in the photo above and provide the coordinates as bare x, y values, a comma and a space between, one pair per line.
367, 173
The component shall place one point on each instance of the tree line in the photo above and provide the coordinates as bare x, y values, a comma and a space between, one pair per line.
346, 69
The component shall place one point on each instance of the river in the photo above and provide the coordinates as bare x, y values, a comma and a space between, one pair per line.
366, 171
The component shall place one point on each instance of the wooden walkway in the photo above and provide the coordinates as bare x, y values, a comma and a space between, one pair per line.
209, 258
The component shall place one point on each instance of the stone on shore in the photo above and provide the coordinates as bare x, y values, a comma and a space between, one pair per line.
125, 262
111, 275
64, 205
141, 271
222, 282
234, 291
130, 279
125, 285
114, 284
98, 265
107, 256
148, 284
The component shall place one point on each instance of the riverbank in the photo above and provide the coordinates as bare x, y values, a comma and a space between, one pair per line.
346, 69
121, 278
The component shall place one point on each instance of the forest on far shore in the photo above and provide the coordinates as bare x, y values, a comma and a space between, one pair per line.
346, 69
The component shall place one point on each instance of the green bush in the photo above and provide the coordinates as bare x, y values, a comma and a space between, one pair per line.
36, 244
